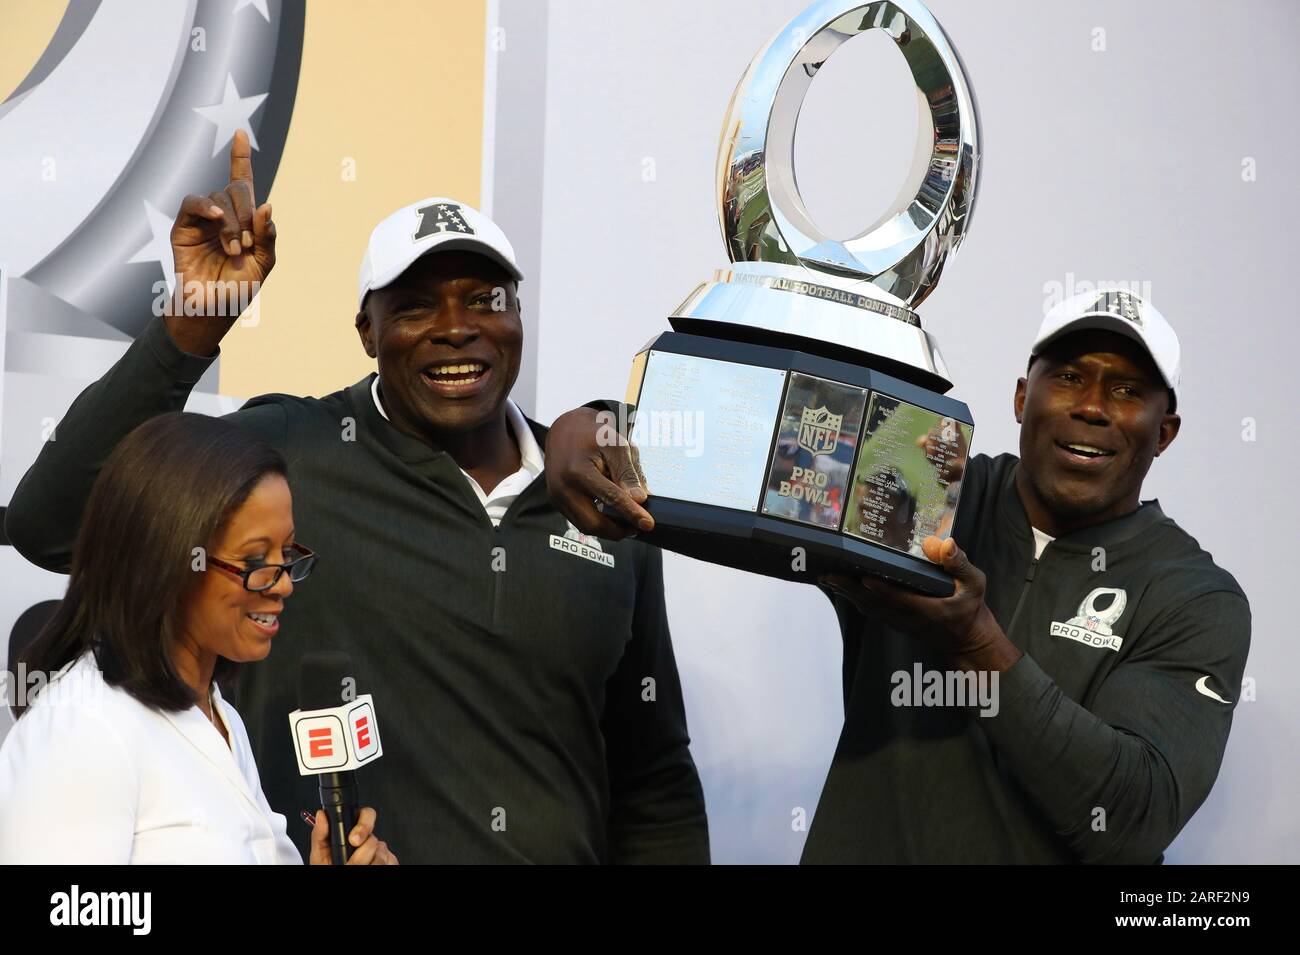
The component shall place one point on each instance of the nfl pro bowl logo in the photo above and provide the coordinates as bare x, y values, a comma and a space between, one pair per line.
1093, 625
581, 545
819, 430
809, 473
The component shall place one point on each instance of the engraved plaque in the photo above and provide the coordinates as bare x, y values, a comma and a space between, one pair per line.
903, 486
814, 451
704, 427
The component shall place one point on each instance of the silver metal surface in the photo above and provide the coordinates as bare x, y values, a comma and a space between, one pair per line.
763, 216
704, 428
828, 288
775, 298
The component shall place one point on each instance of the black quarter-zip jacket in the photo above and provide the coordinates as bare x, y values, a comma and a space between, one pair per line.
524, 680
1109, 731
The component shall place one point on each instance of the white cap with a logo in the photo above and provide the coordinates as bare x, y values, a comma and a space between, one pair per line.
436, 224
1119, 311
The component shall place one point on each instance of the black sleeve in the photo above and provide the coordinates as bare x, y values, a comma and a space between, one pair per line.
1120, 779
656, 801
616, 408
152, 378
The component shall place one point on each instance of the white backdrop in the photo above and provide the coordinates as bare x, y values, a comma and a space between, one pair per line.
1123, 163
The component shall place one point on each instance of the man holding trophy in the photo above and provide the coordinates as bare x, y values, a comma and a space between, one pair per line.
1107, 646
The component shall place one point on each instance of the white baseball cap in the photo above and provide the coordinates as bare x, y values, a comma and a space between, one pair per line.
437, 224
1117, 310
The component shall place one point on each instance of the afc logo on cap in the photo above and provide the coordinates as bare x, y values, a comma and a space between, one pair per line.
440, 218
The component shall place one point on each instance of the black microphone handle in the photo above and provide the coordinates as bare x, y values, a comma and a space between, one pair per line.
338, 797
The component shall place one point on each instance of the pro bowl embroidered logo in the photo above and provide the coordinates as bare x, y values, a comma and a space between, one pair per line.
819, 430
1093, 625
438, 218
582, 545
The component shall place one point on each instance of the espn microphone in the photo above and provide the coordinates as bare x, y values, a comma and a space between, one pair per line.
334, 733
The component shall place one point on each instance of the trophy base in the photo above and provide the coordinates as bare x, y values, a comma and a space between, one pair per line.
762, 545
791, 464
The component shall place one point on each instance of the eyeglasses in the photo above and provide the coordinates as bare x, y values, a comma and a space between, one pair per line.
267, 576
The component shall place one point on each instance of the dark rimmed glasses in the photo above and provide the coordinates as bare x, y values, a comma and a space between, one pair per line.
267, 576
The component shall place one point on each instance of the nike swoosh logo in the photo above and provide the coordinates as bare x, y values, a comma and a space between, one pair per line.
1202, 687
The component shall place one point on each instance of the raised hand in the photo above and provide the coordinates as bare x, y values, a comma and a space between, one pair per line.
224, 237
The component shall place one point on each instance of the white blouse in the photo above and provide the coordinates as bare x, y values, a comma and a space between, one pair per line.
91, 775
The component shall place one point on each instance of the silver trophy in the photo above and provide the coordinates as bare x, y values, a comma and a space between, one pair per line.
794, 421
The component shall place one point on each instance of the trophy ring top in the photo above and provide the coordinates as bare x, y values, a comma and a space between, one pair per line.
763, 217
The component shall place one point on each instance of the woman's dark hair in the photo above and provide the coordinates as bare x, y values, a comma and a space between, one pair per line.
167, 489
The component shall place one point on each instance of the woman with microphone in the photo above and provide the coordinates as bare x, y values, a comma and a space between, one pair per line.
127, 751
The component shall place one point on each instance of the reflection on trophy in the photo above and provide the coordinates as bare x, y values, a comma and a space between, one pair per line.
794, 421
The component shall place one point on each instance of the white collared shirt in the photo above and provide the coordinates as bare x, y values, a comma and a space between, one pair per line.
531, 463
1041, 541
90, 775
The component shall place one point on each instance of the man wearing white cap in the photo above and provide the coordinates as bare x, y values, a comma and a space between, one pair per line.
523, 672
1099, 649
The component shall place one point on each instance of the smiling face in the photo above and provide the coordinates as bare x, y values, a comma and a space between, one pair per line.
221, 617
1094, 412
448, 339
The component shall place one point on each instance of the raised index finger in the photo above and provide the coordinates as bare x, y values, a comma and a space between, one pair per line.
241, 159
